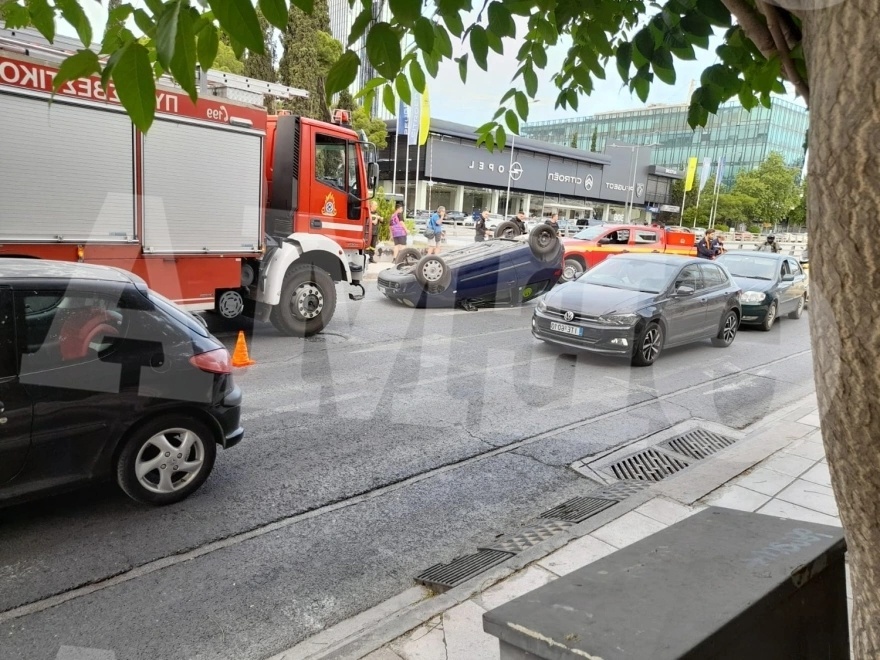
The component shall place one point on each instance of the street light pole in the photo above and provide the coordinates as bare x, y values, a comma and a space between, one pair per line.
509, 168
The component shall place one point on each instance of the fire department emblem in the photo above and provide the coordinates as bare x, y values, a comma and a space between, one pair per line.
329, 205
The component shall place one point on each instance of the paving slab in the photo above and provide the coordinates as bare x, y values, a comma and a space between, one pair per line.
666, 511
465, 639
811, 449
629, 528
764, 480
794, 512
515, 586
737, 497
576, 554
789, 464
424, 643
811, 496
818, 474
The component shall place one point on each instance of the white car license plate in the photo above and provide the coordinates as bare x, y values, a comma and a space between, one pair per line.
567, 329
383, 289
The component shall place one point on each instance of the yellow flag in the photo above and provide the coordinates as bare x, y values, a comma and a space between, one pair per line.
691, 171
424, 118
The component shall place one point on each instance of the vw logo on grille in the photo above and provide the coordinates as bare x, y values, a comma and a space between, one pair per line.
569, 316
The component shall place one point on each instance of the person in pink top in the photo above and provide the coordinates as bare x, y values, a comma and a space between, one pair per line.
398, 229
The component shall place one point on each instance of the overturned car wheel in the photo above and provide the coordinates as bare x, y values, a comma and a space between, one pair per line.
433, 274
407, 257
544, 243
507, 229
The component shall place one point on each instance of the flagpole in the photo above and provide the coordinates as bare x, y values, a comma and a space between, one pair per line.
684, 197
394, 175
509, 166
718, 174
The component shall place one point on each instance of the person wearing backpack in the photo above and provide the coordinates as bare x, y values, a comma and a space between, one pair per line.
434, 230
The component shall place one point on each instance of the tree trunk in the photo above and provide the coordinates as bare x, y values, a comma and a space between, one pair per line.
843, 52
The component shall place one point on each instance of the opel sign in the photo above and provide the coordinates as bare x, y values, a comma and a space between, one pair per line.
516, 171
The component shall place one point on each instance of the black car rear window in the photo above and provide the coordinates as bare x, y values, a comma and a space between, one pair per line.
178, 314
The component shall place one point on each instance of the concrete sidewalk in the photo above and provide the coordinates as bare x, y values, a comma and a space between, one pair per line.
778, 468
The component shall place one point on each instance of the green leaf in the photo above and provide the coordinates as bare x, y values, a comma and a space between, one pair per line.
183, 63
120, 14
383, 49
709, 97
530, 78
417, 76
423, 31
308, 6
275, 12
403, 90
109, 65
725, 78
498, 113
485, 128
406, 12
490, 142
500, 138
359, 26
453, 22
495, 42
522, 105
209, 42
715, 11
697, 114
74, 14
432, 65
369, 87
42, 17
644, 44
462, 68
539, 55
442, 43
166, 33
500, 20
144, 22
343, 73
512, 121
480, 46
763, 78
624, 60
155, 6
80, 65
389, 100
700, 42
572, 97
14, 15
686, 53
238, 18
663, 66
135, 86
696, 24
747, 98
642, 86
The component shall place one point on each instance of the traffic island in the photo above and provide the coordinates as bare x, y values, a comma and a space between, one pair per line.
721, 584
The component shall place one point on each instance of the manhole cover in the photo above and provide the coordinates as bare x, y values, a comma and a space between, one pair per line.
647, 465
621, 490
579, 509
530, 536
698, 444
443, 577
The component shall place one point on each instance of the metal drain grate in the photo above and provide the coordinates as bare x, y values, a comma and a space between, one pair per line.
621, 490
698, 444
579, 509
528, 537
647, 465
443, 577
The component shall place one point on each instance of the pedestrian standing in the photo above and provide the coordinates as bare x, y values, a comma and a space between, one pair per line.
374, 238
398, 230
520, 221
554, 222
434, 230
481, 232
709, 247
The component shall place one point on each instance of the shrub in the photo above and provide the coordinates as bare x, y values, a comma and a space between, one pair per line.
754, 229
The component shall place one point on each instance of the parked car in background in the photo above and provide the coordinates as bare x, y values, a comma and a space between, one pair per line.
100, 377
455, 217
493, 221
594, 244
634, 306
772, 284
497, 270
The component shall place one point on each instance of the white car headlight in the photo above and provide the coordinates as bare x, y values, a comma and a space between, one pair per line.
753, 297
542, 304
619, 319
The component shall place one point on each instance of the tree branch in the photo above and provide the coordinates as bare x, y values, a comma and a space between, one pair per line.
782, 47
753, 25
790, 29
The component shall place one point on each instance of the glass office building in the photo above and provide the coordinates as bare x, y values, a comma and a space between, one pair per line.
745, 139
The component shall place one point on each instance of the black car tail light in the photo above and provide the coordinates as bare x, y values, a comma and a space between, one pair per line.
557, 273
214, 362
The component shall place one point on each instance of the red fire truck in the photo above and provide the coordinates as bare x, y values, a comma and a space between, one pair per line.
219, 207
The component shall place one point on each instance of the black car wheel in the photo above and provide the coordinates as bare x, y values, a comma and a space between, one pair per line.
433, 274
507, 229
796, 314
166, 460
648, 346
544, 242
571, 269
729, 327
407, 257
769, 318
308, 300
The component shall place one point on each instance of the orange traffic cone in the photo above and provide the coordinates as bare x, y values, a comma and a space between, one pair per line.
240, 357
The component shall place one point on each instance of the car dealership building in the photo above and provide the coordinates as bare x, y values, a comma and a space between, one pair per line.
529, 175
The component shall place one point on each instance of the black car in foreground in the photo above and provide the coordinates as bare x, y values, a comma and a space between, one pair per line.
772, 284
637, 305
100, 378
498, 270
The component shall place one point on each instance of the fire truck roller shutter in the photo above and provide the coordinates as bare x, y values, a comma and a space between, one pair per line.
65, 171
202, 189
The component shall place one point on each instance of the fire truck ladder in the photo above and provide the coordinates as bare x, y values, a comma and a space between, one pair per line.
216, 83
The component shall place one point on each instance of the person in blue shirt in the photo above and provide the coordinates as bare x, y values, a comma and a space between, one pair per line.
435, 230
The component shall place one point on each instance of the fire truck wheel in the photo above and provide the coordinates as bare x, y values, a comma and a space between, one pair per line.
166, 459
308, 300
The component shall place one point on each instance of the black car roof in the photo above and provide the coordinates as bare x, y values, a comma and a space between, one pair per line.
23, 269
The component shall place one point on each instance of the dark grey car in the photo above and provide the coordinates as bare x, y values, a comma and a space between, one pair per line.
636, 305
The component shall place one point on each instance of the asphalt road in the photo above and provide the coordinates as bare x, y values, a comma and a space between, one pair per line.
397, 439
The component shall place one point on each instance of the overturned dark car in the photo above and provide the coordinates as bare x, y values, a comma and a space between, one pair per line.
502, 270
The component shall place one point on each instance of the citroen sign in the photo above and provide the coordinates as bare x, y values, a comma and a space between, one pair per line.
588, 182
